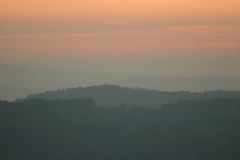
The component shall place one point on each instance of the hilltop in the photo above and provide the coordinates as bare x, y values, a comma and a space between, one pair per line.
113, 95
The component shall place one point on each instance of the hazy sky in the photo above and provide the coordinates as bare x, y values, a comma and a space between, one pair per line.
159, 37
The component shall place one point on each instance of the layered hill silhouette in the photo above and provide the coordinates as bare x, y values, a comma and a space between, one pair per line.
112, 95
19, 81
79, 129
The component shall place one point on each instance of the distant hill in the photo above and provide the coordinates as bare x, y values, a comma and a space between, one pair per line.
19, 81
38, 129
112, 95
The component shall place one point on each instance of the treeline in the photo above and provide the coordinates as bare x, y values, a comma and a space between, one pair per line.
111, 95
79, 129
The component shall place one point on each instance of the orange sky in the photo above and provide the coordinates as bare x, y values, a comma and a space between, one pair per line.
118, 27
145, 8
121, 23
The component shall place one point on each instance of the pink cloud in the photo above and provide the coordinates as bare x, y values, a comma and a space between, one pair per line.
128, 41
204, 28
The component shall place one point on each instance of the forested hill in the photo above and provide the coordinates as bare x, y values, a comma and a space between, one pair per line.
79, 129
110, 95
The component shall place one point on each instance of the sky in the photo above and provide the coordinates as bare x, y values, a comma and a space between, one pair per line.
149, 37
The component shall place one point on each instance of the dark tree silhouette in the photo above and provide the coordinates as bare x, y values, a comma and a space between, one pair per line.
79, 129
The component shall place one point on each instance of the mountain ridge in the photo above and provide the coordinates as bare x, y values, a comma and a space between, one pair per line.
114, 95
